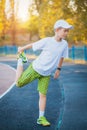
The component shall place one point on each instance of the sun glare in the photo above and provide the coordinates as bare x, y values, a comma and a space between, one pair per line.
21, 9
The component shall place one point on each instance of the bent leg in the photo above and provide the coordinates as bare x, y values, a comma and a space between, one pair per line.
19, 69
21, 59
27, 76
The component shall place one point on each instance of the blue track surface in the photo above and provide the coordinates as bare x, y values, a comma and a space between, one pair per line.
75, 90
66, 103
19, 107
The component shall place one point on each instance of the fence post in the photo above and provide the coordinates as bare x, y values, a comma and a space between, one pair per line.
5, 49
85, 53
15, 49
73, 52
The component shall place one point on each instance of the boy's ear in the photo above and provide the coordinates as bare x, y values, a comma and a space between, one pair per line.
57, 29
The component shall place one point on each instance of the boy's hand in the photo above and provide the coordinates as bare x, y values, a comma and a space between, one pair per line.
57, 73
20, 49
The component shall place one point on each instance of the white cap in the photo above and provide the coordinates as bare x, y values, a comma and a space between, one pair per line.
63, 24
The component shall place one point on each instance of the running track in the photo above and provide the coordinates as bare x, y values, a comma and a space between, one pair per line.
66, 104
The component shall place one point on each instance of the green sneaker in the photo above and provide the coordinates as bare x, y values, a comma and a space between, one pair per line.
23, 57
43, 121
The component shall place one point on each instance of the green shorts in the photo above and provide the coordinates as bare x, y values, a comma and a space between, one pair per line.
29, 75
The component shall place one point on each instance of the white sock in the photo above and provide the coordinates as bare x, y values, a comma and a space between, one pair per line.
20, 62
41, 113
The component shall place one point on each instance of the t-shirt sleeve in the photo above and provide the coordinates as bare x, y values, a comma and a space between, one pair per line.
39, 45
65, 52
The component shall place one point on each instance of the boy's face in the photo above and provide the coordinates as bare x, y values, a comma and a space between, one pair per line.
62, 32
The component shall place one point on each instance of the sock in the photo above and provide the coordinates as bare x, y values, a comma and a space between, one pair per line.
41, 113
20, 62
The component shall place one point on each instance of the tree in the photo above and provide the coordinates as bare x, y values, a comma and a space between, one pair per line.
2, 19
33, 25
13, 22
36, 5
81, 6
48, 11
76, 11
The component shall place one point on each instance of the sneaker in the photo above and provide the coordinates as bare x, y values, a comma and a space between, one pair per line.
43, 121
23, 57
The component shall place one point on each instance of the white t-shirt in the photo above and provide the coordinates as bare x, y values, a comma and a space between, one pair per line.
51, 53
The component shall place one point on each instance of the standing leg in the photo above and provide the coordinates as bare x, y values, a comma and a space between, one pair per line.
42, 88
42, 104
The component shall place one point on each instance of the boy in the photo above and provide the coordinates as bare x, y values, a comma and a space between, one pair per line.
53, 51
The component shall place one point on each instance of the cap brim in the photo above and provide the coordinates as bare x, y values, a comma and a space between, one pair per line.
68, 27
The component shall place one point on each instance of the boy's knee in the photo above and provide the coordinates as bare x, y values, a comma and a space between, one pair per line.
42, 95
19, 84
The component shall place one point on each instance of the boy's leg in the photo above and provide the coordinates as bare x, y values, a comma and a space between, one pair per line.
42, 104
21, 60
27, 76
19, 69
42, 88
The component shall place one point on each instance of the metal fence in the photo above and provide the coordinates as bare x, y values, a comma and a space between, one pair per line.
78, 53
74, 52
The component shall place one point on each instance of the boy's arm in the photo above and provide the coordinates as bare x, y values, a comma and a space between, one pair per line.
57, 72
21, 49
60, 63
